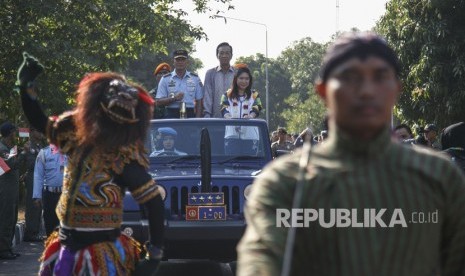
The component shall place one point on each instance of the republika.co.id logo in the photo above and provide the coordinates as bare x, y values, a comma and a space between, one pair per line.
340, 217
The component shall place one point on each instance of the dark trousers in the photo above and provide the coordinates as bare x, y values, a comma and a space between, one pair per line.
49, 204
9, 199
173, 113
33, 214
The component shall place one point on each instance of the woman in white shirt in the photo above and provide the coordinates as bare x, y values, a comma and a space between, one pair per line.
240, 101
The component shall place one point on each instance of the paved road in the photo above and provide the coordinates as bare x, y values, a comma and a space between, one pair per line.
27, 264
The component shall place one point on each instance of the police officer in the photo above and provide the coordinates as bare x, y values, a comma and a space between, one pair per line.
181, 86
48, 182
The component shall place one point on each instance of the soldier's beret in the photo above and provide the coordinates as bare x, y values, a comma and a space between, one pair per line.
167, 131
162, 66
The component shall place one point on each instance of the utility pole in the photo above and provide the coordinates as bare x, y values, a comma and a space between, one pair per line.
337, 16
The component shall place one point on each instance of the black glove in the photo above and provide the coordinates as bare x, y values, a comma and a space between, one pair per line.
28, 71
146, 267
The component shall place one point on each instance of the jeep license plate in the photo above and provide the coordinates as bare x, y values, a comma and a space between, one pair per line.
206, 212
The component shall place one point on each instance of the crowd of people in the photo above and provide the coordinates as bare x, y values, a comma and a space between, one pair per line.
41, 170
450, 140
227, 91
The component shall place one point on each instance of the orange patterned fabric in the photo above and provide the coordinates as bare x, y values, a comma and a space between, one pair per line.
106, 258
94, 200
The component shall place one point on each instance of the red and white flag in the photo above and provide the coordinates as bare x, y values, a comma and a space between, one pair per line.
23, 132
3, 166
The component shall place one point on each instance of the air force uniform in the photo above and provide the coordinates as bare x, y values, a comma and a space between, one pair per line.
190, 84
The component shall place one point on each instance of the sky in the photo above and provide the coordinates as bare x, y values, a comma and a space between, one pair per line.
286, 22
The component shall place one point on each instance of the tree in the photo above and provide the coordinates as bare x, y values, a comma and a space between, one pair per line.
429, 37
142, 68
302, 61
75, 37
293, 101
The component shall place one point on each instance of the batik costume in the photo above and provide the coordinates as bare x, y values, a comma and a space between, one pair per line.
347, 173
89, 241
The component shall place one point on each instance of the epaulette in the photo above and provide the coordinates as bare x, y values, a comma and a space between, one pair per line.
166, 75
194, 74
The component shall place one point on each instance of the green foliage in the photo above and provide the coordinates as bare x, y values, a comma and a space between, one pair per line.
142, 68
302, 61
309, 113
293, 102
429, 37
74, 37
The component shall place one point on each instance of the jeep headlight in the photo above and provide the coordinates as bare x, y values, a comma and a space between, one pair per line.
247, 191
128, 231
162, 192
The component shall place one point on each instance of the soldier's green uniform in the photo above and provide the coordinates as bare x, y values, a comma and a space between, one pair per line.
33, 213
347, 173
9, 198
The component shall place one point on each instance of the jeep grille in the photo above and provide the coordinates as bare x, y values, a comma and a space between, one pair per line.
178, 198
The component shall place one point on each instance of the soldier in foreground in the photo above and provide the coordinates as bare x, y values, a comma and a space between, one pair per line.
369, 206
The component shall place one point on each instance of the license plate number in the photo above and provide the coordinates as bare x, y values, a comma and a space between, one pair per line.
205, 212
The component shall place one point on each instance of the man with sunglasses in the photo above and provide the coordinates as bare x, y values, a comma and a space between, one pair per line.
181, 86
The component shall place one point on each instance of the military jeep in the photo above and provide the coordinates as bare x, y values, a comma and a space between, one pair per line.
205, 168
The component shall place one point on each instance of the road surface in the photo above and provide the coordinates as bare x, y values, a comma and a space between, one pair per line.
28, 264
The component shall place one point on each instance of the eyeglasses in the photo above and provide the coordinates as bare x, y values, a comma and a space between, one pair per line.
180, 59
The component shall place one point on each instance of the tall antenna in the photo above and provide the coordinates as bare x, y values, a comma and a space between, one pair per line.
337, 16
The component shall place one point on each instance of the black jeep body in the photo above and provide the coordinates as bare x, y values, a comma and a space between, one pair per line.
198, 226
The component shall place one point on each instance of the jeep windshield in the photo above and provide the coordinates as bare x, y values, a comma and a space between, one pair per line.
235, 143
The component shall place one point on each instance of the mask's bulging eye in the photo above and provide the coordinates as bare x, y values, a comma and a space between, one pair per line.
115, 83
120, 102
115, 86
